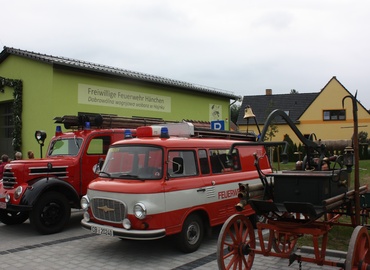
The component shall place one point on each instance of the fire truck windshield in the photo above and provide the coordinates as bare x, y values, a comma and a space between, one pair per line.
65, 146
133, 162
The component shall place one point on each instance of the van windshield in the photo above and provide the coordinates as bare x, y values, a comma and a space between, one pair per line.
65, 146
133, 162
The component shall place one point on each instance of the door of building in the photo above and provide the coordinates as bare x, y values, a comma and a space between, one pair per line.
6, 129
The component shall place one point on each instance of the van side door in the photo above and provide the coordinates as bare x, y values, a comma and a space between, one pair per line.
221, 178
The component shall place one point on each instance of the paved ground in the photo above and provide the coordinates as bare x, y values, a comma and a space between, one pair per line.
22, 248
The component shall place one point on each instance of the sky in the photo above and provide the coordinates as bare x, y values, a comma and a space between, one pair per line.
239, 46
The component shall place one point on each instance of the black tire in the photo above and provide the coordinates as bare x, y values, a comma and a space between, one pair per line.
51, 213
191, 236
13, 218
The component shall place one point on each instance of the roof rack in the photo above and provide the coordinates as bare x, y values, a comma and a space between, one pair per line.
201, 128
222, 134
105, 121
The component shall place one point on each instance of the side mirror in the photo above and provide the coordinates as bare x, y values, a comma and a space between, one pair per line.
97, 167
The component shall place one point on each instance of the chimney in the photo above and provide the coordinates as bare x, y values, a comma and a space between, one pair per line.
268, 92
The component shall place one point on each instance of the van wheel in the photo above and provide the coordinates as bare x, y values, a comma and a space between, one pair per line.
50, 213
191, 236
13, 218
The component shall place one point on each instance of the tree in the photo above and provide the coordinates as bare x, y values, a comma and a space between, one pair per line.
293, 91
273, 128
362, 137
290, 149
363, 144
234, 112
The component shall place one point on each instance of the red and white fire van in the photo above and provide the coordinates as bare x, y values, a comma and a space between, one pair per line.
167, 181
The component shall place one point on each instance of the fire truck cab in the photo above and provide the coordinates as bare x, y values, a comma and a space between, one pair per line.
167, 181
44, 190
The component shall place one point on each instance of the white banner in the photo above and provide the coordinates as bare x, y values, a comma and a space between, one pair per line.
110, 97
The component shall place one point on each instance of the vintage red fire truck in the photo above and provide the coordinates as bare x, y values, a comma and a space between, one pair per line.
170, 180
44, 190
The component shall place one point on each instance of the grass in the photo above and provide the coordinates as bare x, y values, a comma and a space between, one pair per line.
339, 236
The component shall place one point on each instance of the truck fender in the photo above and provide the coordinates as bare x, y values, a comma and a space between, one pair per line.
42, 185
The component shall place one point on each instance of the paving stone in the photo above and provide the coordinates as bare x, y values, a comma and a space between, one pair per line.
22, 248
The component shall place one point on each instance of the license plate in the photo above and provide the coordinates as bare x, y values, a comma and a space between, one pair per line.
2, 205
101, 230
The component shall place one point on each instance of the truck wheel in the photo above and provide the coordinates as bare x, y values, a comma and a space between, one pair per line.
50, 213
13, 218
191, 236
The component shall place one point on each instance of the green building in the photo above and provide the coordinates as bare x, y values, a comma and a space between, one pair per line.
35, 88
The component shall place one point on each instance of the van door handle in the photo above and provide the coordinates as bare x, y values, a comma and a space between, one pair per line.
201, 190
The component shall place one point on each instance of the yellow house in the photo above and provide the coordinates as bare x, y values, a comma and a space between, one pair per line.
320, 115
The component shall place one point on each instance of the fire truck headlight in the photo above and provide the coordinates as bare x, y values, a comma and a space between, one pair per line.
85, 202
140, 210
7, 198
18, 192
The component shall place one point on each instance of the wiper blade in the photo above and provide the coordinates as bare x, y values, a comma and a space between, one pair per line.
133, 176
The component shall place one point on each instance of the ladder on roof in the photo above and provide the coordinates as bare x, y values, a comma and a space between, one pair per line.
201, 128
105, 121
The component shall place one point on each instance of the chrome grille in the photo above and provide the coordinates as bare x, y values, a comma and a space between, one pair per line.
108, 210
9, 180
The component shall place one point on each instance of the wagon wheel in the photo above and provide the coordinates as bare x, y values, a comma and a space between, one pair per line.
236, 244
358, 255
283, 242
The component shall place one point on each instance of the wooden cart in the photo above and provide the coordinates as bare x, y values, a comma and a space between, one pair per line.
286, 223
308, 201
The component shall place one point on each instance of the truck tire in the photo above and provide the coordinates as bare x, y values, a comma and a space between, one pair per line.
13, 218
50, 213
191, 235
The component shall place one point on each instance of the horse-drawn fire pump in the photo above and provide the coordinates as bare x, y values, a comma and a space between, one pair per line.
309, 200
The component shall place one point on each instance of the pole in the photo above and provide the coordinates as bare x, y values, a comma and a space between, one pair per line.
357, 156
40, 150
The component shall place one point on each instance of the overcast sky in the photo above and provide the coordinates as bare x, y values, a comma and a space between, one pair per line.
241, 46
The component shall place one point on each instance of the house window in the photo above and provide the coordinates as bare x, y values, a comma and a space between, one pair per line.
334, 115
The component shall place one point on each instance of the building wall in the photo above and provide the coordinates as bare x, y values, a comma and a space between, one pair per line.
56, 91
37, 88
330, 98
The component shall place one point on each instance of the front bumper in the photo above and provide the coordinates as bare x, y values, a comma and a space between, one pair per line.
14, 207
126, 234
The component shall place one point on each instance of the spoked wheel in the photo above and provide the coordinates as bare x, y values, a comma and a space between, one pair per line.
358, 255
236, 244
283, 242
